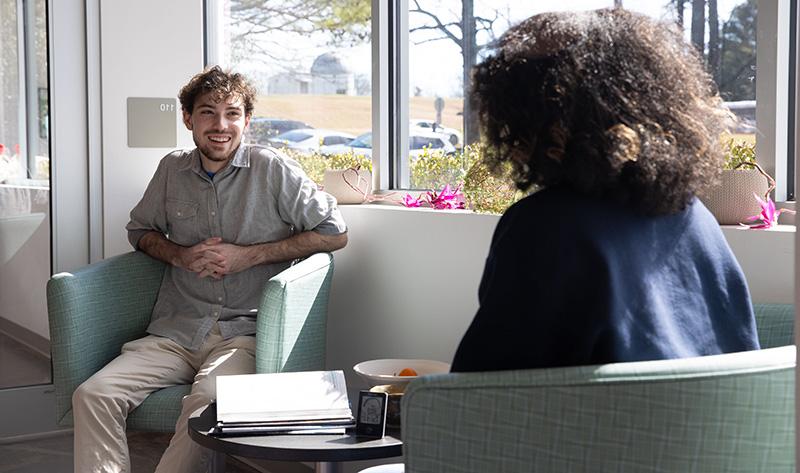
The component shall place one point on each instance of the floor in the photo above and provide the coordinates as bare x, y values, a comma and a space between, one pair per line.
21, 366
54, 455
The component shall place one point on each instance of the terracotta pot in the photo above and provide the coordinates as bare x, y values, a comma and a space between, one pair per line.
732, 201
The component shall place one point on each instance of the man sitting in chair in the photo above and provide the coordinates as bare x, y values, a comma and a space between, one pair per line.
225, 217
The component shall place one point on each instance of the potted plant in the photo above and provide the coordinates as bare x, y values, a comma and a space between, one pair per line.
732, 201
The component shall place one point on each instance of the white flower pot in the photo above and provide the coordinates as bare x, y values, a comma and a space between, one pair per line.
732, 201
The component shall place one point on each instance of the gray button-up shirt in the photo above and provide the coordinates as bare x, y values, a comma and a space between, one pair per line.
260, 197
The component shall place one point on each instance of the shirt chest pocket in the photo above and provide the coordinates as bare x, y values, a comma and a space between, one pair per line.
182, 222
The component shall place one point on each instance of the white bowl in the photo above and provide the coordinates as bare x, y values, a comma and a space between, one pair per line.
378, 372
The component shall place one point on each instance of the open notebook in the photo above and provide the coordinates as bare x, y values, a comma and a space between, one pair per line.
302, 402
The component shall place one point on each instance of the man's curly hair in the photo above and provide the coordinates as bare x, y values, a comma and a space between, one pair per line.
222, 84
606, 102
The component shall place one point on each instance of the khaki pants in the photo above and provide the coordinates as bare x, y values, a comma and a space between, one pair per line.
101, 404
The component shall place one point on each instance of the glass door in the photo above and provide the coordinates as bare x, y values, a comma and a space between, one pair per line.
25, 264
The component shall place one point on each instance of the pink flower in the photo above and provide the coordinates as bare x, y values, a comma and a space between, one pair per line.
768, 216
2, 148
410, 201
446, 199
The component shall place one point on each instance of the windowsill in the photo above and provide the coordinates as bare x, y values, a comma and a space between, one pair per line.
775, 229
394, 207
389, 207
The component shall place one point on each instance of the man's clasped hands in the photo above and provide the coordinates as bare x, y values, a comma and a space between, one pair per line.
215, 258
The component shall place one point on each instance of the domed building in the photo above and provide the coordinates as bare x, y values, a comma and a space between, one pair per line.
287, 83
330, 75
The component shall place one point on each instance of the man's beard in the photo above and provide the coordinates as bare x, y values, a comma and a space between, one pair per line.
213, 155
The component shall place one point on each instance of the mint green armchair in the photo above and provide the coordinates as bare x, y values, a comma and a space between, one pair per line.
98, 308
731, 413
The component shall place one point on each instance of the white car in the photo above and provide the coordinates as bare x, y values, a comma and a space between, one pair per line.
453, 135
418, 143
308, 140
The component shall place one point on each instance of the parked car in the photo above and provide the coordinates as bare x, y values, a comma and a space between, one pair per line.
418, 142
310, 139
453, 135
745, 111
261, 129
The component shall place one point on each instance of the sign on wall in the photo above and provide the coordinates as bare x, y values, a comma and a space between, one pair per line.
151, 122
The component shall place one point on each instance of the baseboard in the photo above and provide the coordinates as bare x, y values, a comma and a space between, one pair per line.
27, 337
36, 436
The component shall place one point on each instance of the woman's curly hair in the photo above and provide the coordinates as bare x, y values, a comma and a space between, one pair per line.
607, 102
223, 84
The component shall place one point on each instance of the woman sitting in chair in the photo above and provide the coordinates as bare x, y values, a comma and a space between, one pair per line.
613, 117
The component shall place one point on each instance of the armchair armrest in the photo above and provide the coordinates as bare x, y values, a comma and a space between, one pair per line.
731, 412
291, 324
93, 312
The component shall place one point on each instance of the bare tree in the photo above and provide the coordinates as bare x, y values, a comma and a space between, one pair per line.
713, 40
256, 20
679, 12
698, 25
463, 31
617, 3
738, 63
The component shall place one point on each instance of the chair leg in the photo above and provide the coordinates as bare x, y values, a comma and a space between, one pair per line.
328, 467
218, 461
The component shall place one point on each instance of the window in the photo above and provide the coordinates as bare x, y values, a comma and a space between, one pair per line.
423, 50
443, 47
311, 63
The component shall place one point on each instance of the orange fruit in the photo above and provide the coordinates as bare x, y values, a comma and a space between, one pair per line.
407, 372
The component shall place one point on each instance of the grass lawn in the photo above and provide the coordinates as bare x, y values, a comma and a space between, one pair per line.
351, 114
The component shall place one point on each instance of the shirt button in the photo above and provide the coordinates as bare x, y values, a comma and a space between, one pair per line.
216, 313
219, 299
179, 214
213, 213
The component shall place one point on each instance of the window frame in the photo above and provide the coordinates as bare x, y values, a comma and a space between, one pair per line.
791, 163
773, 93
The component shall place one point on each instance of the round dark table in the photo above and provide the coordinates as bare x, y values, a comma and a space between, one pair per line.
326, 451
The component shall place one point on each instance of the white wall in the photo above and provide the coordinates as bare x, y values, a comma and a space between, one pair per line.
144, 54
406, 284
767, 259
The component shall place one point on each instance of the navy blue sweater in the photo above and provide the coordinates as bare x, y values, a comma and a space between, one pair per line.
575, 280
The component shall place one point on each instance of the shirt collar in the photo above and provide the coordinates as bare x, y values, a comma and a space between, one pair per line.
241, 159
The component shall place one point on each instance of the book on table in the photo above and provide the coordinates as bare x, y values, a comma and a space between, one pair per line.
306, 402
